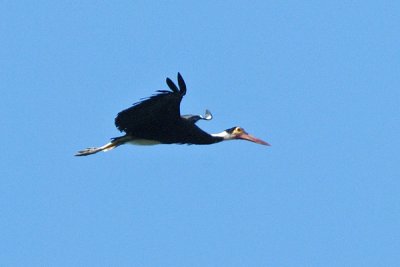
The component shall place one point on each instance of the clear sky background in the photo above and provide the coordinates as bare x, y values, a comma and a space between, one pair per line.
319, 80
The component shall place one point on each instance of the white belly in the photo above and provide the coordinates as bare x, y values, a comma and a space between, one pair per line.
143, 142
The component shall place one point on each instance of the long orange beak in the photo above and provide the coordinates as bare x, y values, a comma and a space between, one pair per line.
253, 139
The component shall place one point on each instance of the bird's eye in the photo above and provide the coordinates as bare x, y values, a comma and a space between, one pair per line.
239, 130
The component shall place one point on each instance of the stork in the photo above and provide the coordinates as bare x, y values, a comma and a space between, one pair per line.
157, 120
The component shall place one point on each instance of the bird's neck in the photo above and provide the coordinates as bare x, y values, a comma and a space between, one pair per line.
219, 137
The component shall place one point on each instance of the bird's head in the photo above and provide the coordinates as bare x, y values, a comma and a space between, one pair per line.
239, 133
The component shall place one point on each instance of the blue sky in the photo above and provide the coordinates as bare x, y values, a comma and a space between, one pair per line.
319, 80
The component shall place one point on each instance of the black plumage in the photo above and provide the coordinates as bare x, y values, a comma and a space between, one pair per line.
159, 118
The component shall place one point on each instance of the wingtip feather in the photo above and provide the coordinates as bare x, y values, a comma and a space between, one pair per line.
182, 84
172, 85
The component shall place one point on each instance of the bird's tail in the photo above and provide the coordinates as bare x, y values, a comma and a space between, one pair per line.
111, 145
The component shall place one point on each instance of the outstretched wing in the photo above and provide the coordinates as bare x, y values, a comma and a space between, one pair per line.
154, 114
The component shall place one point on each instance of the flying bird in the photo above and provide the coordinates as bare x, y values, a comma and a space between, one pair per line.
158, 120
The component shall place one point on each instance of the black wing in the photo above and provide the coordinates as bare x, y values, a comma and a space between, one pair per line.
155, 114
